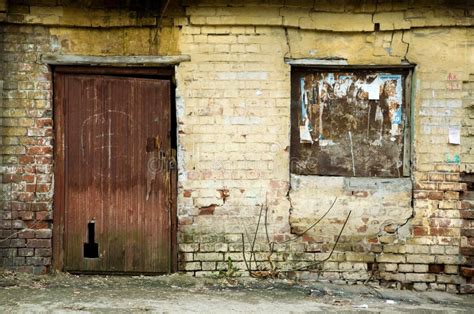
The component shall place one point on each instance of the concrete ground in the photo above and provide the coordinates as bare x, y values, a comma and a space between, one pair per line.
64, 293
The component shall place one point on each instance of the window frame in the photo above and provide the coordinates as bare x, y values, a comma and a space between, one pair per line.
300, 68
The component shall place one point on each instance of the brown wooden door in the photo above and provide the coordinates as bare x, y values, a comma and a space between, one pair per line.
117, 195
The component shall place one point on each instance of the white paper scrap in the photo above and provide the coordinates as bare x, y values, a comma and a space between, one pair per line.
305, 136
395, 130
454, 135
378, 114
373, 90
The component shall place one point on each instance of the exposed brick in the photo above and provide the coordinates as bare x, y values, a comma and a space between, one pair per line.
420, 194
420, 268
449, 279
209, 256
467, 251
436, 177
420, 286
467, 214
208, 265
454, 177
420, 277
38, 243
441, 231
420, 231
43, 233
221, 247
467, 288
27, 234
13, 243
43, 252
451, 195
25, 215
466, 204
192, 266
451, 269
436, 268
420, 259
38, 261
447, 167
390, 258
452, 186
26, 252
188, 247
467, 232
435, 195
467, 271
425, 186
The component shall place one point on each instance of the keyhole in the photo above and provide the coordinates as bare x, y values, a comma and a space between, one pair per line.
91, 249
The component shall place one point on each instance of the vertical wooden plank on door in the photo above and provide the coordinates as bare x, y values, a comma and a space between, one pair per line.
58, 203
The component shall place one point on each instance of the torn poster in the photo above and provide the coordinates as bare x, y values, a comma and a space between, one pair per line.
329, 105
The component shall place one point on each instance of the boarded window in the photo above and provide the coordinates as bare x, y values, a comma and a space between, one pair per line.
350, 122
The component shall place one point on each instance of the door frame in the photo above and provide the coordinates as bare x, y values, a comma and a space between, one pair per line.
162, 73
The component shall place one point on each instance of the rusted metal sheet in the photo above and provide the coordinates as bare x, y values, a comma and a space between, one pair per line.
117, 187
348, 123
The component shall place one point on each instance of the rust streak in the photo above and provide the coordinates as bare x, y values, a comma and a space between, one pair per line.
224, 194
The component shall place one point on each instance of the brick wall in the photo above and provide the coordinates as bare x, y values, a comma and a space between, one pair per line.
26, 150
233, 144
467, 166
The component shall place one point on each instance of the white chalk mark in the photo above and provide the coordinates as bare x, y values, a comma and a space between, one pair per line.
97, 116
352, 154
104, 134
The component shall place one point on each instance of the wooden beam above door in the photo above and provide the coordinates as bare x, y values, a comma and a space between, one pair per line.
114, 60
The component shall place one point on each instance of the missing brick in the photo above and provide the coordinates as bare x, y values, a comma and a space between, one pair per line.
207, 210
436, 268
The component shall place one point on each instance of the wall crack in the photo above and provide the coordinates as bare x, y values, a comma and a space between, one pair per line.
408, 46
